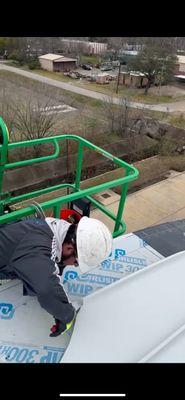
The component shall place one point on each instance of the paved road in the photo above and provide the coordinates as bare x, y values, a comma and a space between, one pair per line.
166, 107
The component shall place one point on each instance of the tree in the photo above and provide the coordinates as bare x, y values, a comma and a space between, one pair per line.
6, 111
119, 118
34, 120
2, 45
33, 63
156, 63
17, 57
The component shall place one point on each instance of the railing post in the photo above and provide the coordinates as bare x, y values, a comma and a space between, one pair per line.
4, 137
56, 210
79, 166
121, 206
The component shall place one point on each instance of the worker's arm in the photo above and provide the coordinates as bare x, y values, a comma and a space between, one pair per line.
32, 264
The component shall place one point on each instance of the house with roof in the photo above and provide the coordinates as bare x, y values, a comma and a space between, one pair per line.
57, 63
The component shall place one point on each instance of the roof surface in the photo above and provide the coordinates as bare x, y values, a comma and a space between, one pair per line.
56, 58
167, 238
64, 59
134, 320
50, 56
142, 329
19, 314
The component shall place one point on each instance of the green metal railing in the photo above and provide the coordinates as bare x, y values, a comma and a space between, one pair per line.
129, 174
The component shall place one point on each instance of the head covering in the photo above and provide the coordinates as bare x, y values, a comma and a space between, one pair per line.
59, 228
94, 243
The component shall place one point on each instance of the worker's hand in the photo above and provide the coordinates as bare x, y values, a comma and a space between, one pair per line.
57, 329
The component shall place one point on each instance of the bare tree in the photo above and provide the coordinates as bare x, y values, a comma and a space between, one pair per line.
117, 116
110, 113
6, 111
132, 126
34, 120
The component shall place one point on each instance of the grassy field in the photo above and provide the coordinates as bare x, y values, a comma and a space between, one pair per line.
89, 59
132, 94
89, 121
19, 82
177, 120
110, 89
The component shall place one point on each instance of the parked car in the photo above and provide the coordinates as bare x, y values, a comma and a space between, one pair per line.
86, 66
106, 68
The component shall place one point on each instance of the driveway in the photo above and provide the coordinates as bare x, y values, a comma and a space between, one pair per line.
163, 107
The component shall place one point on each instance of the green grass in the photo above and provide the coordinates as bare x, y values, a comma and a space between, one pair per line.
89, 59
132, 94
136, 95
53, 75
110, 89
24, 81
177, 120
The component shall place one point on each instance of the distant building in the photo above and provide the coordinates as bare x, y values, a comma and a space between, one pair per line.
57, 63
97, 48
133, 47
133, 79
124, 56
83, 46
180, 66
129, 52
102, 78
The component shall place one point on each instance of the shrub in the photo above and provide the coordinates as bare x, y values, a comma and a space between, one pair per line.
17, 57
33, 63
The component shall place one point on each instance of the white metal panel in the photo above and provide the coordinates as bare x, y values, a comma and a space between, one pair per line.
129, 319
172, 352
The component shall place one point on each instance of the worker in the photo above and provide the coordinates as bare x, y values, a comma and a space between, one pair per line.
36, 251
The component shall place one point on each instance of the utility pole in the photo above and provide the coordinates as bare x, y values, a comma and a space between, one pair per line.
162, 71
161, 77
118, 77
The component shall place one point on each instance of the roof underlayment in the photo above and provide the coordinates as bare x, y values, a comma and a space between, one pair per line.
132, 308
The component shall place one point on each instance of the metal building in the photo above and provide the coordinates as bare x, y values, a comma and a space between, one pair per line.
57, 62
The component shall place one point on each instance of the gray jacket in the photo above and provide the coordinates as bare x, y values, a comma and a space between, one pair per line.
28, 251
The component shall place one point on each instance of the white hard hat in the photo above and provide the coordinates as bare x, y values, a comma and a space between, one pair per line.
94, 243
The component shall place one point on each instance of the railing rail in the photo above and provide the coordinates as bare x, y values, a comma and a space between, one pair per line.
130, 173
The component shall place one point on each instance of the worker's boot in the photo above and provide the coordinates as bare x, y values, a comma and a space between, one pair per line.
60, 328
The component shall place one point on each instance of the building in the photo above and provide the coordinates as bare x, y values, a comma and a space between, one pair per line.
84, 47
133, 79
123, 76
102, 79
130, 47
180, 66
57, 63
97, 48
